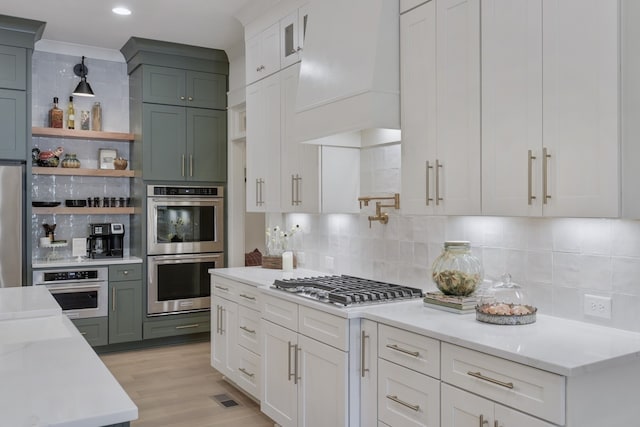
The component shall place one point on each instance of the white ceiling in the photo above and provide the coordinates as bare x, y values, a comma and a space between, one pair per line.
207, 23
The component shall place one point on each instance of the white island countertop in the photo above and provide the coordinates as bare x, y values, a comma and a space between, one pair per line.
50, 375
561, 346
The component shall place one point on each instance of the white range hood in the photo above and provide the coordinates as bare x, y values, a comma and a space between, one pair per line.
350, 74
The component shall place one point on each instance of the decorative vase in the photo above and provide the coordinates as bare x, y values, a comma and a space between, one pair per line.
120, 163
70, 161
456, 271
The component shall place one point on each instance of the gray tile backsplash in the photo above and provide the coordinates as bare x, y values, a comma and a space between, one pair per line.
558, 260
53, 76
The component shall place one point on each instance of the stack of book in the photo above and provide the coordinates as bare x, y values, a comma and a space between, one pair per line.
450, 303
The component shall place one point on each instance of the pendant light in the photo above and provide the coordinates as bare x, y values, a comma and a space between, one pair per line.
83, 88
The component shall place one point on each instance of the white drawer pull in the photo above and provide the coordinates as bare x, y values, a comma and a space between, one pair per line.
251, 331
249, 374
403, 403
491, 380
248, 297
402, 350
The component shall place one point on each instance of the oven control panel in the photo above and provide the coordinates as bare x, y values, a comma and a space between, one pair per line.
57, 276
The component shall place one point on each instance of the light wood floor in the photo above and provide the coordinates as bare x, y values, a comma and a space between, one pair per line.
174, 385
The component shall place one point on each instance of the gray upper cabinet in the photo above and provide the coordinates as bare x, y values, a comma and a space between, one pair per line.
172, 86
13, 67
178, 105
13, 122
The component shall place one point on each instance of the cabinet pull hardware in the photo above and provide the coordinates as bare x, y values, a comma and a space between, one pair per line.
182, 98
530, 196
219, 328
248, 297
483, 422
293, 198
113, 299
182, 168
83, 333
190, 98
402, 350
222, 288
545, 175
249, 374
195, 325
222, 310
491, 380
289, 374
363, 370
427, 183
298, 197
297, 377
125, 272
251, 331
257, 186
190, 165
403, 403
438, 198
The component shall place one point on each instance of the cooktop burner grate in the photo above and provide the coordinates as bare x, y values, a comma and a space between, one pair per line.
346, 290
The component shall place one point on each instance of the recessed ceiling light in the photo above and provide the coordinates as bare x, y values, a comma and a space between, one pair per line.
121, 11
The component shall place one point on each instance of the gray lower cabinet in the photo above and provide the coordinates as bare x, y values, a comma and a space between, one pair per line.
125, 303
177, 324
95, 330
184, 144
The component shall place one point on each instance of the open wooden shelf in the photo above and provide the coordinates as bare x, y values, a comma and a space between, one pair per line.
114, 173
83, 211
82, 134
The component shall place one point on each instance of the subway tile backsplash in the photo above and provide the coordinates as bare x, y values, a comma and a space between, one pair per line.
558, 260
53, 76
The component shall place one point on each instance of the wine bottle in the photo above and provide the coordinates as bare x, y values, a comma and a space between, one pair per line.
55, 115
71, 114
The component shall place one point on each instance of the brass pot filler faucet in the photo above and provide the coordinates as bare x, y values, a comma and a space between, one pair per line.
383, 217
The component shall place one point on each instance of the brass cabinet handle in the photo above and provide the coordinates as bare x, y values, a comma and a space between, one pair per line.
222, 288
182, 98
125, 272
257, 191
190, 165
289, 374
363, 337
249, 374
427, 193
190, 98
298, 198
483, 421
83, 333
545, 175
251, 331
182, 168
293, 198
491, 380
530, 159
402, 350
438, 198
249, 297
194, 325
298, 350
403, 403
222, 310
113, 299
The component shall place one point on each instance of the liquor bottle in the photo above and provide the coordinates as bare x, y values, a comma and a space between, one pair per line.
55, 115
71, 114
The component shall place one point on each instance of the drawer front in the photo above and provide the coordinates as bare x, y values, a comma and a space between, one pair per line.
172, 326
249, 329
408, 349
248, 372
406, 398
522, 387
324, 327
122, 272
224, 288
248, 295
280, 312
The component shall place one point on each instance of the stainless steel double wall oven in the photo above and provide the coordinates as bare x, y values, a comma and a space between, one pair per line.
185, 238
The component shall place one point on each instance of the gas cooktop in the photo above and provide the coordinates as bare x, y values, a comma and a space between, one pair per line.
346, 291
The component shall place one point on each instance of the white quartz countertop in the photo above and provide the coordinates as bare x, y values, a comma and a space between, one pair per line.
562, 346
20, 303
50, 375
73, 262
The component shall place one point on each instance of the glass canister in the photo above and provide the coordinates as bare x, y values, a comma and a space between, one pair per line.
70, 161
506, 303
456, 271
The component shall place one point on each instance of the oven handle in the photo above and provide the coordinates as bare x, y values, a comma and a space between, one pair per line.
186, 201
173, 259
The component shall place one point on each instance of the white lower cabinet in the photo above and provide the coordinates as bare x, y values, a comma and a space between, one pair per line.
463, 409
235, 334
305, 382
368, 372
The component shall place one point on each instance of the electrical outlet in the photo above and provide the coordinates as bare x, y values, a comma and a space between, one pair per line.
597, 306
328, 263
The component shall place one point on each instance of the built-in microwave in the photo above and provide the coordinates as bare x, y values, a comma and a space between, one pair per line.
184, 219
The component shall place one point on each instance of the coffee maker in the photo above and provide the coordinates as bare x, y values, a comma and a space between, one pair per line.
105, 240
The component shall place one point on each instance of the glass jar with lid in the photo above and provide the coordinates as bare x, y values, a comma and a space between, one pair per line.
456, 271
506, 303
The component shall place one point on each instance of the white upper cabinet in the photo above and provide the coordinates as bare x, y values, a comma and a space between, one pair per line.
263, 54
440, 85
550, 108
292, 31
